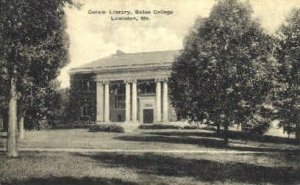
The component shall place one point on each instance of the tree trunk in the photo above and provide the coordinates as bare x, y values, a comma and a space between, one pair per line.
225, 134
21, 126
298, 133
12, 121
1, 122
218, 128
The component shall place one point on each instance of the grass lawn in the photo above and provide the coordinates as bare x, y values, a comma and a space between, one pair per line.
64, 168
148, 140
279, 164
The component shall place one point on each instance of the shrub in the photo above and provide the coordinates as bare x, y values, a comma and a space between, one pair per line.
72, 126
159, 126
259, 128
190, 127
106, 128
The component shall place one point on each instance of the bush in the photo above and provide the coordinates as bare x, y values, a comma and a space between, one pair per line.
159, 126
190, 127
106, 128
259, 128
72, 126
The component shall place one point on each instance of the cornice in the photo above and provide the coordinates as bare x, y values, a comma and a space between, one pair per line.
121, 69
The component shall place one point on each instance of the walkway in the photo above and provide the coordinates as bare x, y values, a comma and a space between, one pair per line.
81, 150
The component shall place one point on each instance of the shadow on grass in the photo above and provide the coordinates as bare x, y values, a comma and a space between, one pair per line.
204, 170
216, 143
233, 135
70, 181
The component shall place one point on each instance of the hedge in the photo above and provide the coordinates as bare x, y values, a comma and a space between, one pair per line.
159, 126
107, 128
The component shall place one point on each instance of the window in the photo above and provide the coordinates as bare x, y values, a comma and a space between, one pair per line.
119, 101
147, 87
84, 110
117, 91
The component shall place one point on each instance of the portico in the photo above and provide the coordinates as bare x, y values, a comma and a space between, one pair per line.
160, 107
131, 88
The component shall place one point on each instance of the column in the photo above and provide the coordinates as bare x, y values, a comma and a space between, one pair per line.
158, 100
127, 101
165, 101
106, 99
100, 102
134, 101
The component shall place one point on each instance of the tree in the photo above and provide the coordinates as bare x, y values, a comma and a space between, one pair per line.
288, 56
45, 109
222, 74
33, 48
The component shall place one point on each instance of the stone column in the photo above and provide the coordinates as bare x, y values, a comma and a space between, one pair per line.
106, 106
127, 101
158, 100
134, 101
165, 101
100, 102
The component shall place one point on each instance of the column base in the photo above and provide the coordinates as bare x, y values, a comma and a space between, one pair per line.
103, 122
131, 123
165, 122
99, 122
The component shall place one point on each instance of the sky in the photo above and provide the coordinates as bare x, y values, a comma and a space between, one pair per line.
94, 36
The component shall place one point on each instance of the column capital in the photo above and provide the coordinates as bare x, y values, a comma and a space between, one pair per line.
100, 82
157, 80
129, 80
166, 79
106, 82
103, 82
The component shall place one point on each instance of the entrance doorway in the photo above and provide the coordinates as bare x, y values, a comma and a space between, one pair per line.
146, 109
148, 115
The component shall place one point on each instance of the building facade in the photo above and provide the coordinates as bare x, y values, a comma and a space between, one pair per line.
124, 87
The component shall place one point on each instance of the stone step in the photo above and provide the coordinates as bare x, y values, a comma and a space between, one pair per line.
130, 127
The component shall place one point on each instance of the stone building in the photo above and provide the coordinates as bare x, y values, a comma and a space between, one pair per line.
124, 87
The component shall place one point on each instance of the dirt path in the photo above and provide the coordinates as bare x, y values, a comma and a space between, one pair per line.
133, 151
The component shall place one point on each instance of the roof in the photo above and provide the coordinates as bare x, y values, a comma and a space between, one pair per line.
121, 60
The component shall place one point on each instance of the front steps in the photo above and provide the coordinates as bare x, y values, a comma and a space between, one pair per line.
130, 126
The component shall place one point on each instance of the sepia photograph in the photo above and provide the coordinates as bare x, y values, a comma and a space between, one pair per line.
149, 92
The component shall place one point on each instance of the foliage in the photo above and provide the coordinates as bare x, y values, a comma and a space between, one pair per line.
106, 128
46, 107
159, 126
223, 74
34, 47
73, 126
35, 43
190, 127
256, 127
82, 95
288, 56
